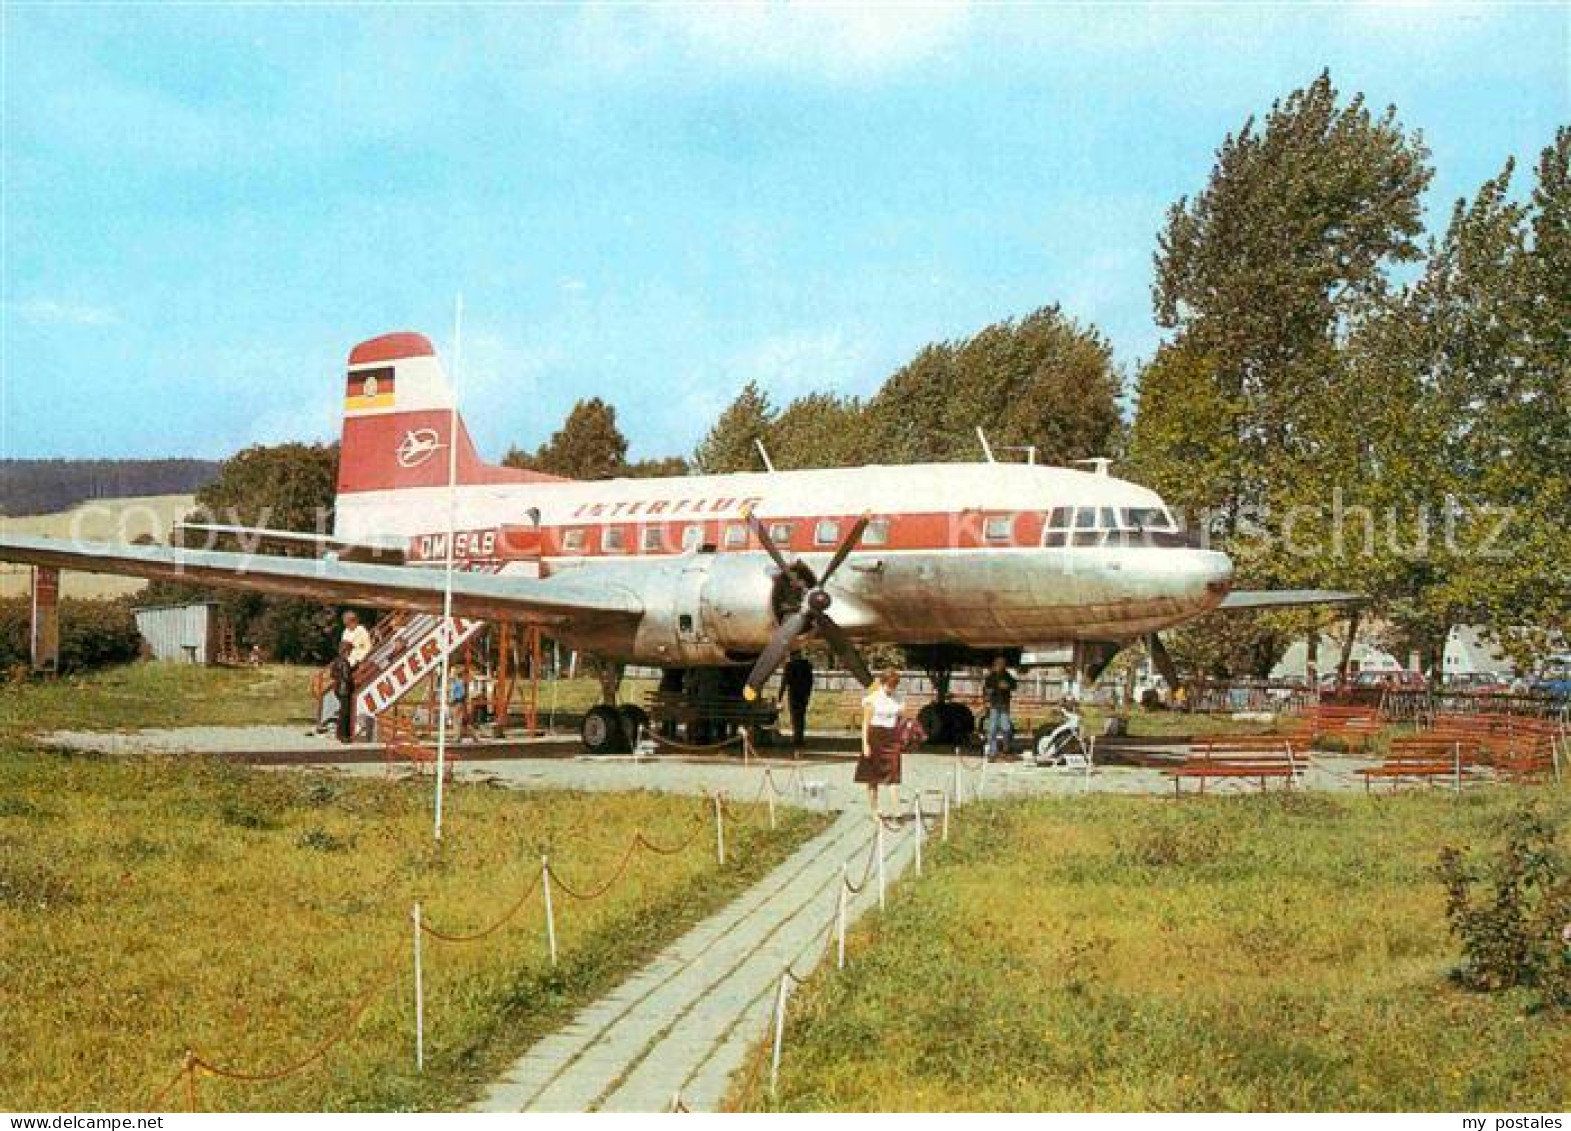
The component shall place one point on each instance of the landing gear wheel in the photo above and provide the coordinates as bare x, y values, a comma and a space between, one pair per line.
635, 720
960, 720
601, 732
947, 723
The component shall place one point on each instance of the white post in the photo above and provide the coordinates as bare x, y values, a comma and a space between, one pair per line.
840, 919
770, 793
916, 809
719, 831
1456, 756
946, 818
878, 846
780, 1012
446, 631
419, 997
1090, 753
550, 914
957, 778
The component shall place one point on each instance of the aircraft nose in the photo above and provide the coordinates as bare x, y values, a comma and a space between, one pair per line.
1215, 569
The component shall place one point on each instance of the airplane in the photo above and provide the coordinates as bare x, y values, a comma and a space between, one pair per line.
716, 576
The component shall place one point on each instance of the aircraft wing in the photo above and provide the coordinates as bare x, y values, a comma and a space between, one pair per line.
480, 595
389, 553
1288, 598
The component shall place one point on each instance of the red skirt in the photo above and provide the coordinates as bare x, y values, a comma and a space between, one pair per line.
881, 764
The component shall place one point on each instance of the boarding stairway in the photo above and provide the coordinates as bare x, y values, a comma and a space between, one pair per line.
406, 648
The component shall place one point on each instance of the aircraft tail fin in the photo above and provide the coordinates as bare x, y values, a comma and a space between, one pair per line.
401, 424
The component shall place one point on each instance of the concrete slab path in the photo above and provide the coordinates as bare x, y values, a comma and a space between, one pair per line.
683, 1024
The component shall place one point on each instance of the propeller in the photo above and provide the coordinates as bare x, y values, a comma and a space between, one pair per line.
802, 600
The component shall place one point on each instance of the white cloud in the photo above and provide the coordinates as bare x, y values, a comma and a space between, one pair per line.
49, 312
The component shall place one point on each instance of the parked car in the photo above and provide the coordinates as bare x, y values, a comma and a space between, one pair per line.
1392, 680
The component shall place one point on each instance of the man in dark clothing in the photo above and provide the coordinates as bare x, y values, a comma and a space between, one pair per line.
997, 689
343, 674
798, 683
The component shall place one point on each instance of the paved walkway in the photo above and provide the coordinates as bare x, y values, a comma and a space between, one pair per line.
683, 1025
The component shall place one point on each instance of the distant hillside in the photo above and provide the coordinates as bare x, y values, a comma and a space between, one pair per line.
104, 520
47, 486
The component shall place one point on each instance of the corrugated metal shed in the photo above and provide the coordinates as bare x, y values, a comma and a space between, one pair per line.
181, 634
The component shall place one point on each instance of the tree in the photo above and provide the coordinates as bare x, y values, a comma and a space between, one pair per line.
589, 445
731, 445
1268, 408
283, 487
819, 430
1043, 382
1264, 273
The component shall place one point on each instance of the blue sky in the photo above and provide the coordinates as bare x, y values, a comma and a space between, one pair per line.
206, 206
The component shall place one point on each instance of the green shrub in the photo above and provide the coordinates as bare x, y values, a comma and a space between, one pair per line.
93, 634
1519, 933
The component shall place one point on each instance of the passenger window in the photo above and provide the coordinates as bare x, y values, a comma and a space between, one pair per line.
826, 533
573, 541
654, 540
735, 536
691, 537
877, 533
780, 533
999, 528
613, 541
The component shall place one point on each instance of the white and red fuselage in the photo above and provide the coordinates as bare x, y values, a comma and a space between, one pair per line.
976, 555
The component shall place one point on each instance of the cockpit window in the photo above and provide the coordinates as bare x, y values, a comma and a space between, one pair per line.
1109, 519
1085, 518
1059, 518
1141, 519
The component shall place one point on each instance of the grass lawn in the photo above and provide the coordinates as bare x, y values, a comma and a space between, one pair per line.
158, 695
152, 905
1285, 952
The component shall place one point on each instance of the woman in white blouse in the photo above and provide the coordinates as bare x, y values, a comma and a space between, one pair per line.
880, 760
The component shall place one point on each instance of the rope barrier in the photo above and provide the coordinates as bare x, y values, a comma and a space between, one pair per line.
587, 896
484, 932
194, 1063
662, 740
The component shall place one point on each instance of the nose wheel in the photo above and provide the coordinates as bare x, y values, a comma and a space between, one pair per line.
947, 723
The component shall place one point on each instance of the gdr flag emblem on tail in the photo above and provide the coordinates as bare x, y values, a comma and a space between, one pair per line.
368, 389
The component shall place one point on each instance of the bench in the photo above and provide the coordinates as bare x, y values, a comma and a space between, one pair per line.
1239, 757
1356, 726
1425, 757
1528, 757
401, 744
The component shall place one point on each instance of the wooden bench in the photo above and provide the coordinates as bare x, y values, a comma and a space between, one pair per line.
1527, 757
1425, 757
1239, 757
1356, 726
401, 744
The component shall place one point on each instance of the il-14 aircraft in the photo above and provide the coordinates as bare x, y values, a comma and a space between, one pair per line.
718, 574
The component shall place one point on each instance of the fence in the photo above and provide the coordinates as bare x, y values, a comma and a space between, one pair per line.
548, 881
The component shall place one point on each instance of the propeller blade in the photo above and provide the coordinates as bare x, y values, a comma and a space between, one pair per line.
774, 652
768, 543
847, 544
837, 639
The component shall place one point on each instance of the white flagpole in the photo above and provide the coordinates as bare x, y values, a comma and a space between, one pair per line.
446, 629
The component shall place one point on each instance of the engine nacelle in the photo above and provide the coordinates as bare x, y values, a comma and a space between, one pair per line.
704, 609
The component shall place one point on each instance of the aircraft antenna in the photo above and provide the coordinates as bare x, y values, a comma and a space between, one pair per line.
987, 449
444, 695
769, 464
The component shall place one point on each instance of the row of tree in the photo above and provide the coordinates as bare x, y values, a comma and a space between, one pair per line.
1345, 403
